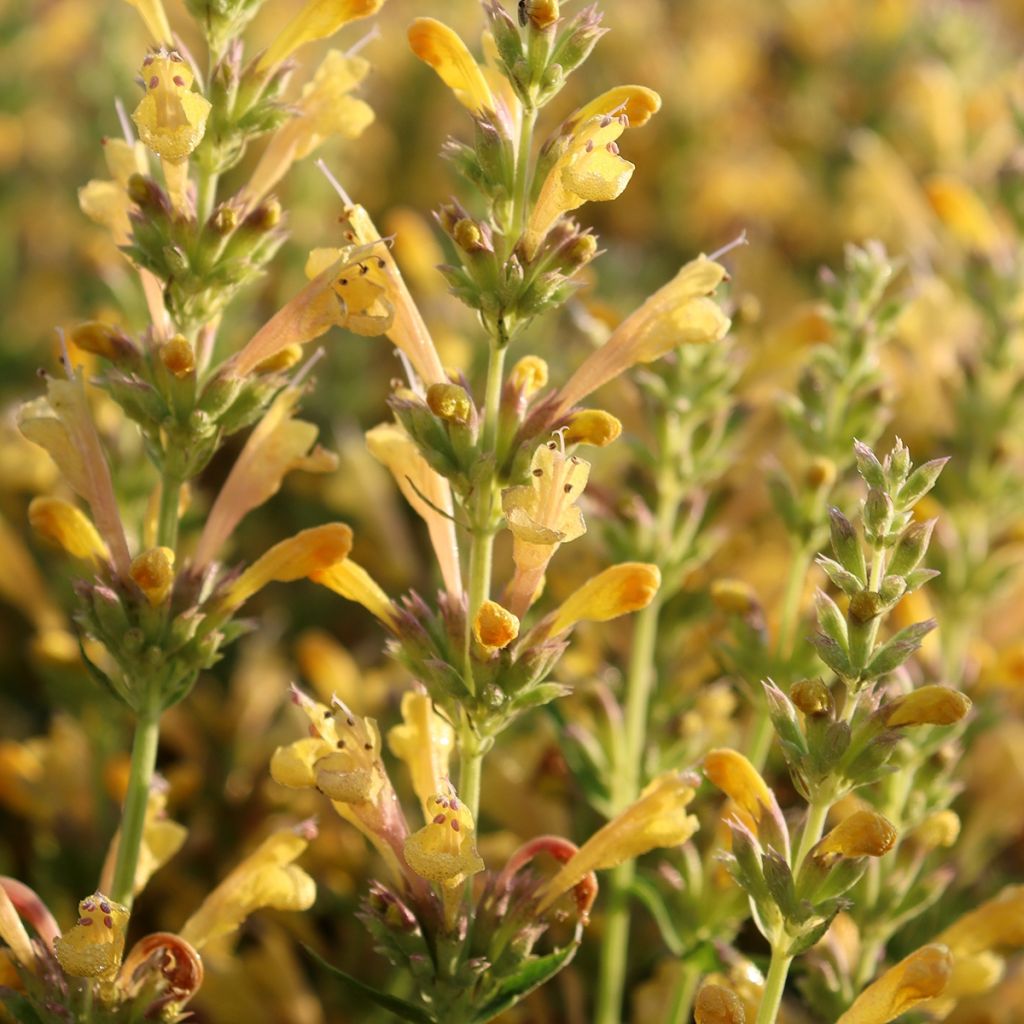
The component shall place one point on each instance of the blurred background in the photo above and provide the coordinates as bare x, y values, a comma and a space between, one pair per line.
806, 123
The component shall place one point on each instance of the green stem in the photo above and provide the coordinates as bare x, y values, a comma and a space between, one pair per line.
133, 817
774, 986
521, 194
167, 524
470, 766
814, 826
206, 195
683, 995
789, 617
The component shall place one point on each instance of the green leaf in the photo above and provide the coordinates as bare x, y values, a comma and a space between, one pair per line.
531, 975
647, 893
399, 1007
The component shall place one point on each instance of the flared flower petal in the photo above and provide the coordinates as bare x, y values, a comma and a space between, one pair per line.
443, 50
444, 850
93, 948
69, 527
318, 19
638, 103
162, 838
616, 591
928, 705
170, 117
266, 878
920, 976
354, 583
996, 923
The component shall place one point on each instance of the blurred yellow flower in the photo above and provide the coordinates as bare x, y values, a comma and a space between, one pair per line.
424, 741
106, 202
155, 17
918, 977
69, 527
318, 19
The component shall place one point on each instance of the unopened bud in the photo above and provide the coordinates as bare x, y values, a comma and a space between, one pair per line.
941, 829
862, 834
450, 402
581, 251
717, 1004
224, 219
734, 597
102, 340
593, 426
928, 705
821, 473
266, 216
811, 696
467, 235
540, 14
153, 573
529, 375
178, 357
494, 626
866, 605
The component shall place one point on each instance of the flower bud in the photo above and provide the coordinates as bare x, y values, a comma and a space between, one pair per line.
529, 375
541, 14
928, 705
467, 235
451, 403
821, 473
593, 426
266, 216
102, 340
495, 627
718, 1005
153, 573
941, 829
178, 357
862, 834
865, 606
580, 251
811, 696
734, 597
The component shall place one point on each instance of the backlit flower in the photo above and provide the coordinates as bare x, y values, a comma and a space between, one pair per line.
657, 819
862, 834
541, 516
354, 583
918, 977
318, 19
732, 773
443, 50
68, 526
424, 741
106, 201
616, 591
928, 705
171, 118
93, 948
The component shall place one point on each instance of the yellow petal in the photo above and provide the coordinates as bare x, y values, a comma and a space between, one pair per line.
279, 445
424, 741
616, 591
155, 17
162, 838
170, 117
494, 627
732, 773
918, 977
153, 573
593, 426
637, 102
94, 946
317, 20
438, 46
68, 526
294, 765
997, 922
861, 834
293, 559
354, 583
444, 850
657, 819
928, 705
961, 210
717, 1004
14, 933
266, 878
106, 203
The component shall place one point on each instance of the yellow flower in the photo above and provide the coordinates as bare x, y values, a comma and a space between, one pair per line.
928, 705
266, 878
442, 49
153, 573
638, 103
324, 109
717, 1004
541, 516
293, 559
68, 526
63, 425
679, 313
657, 819
178, 356
170, 117
529, 375
997, 922
963, 213
155, 17
424, 741
354, 583
941, 829
106, 202
162, 838
279, 445
14, 933
494, 627
862, 834
592, 426
589, 170
426, 492
318, 19
616, 591
732, 773
93, 948
918, 977
341, 758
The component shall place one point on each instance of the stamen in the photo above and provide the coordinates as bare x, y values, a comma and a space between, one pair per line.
370, 36
325, 171
740, 239
126, 125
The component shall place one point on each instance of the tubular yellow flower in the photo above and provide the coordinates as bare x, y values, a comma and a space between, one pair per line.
101, 339
63, 425
106, 202
443, 50
928, 705
319, 19
679, 313
494, 627
920, 976
297, 557
735, 776
963, 213
341, 758
170, 117
616, 591
324, 109
638, 103
541, 516
997, 922
153, 573
657, 819
529, 375
424, 741
69, 527
590, 170
266, 878
153, 14
93, 948
354, 583
425, 491
941, 829
593, 426
279, 445
862, 834
717, 1004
